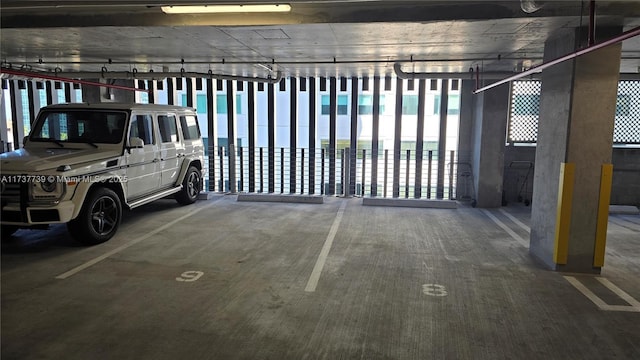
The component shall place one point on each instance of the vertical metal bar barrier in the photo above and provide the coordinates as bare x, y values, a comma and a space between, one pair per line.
322, 171
271, 129
302, 171
386, 170
364, 170
232, 132
451, 175
293, 133
406, 180
67, 93
221, 154
353, 138
442, 137
429, 170
281, 170
346, 171
241, 152
15, 93
397, 140
375, 132
211, 133
333, 113
261, 170
251, 119
231, 168
312, 135
417, 190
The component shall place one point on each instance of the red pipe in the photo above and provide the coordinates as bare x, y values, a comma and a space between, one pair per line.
37, 75
536, 69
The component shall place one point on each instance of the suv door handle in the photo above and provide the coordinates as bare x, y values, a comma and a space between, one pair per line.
156, 160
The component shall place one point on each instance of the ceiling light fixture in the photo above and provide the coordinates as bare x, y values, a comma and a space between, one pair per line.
217, 9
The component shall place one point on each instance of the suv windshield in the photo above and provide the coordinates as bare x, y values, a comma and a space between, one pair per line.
80, 126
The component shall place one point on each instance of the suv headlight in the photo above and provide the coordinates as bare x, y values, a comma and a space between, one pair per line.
48, 185
47, 188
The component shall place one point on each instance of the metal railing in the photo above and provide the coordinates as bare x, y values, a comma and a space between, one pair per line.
321, 172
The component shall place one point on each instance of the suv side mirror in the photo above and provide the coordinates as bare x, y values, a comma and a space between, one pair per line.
136, 143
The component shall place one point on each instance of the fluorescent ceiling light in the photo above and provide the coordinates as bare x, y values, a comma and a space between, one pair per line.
226, 9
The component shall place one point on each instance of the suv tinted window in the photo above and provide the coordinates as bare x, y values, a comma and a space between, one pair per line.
80, 126
190, 128
168, 128
141, 128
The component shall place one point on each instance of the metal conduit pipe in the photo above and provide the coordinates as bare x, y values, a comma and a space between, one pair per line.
397, 68
8, 73
131, 75
157, 75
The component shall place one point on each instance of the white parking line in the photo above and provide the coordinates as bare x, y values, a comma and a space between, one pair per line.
517, 237
634, 305
621, 293
322, 258
98, 259
515, 220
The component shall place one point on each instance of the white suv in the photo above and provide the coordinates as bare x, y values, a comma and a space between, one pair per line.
83, 163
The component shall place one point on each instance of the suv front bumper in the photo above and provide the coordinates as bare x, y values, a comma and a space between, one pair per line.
13, 214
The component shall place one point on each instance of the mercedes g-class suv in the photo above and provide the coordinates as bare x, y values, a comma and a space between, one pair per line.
83, 163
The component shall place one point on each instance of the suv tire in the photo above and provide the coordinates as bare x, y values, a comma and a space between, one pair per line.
99, 218
191, 186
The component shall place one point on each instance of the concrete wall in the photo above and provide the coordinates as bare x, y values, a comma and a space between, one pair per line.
465, 189
626, 174
487, 159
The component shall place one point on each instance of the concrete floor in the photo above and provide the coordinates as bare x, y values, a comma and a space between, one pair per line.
228, 280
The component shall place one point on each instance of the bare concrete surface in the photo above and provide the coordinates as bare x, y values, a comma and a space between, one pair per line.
223, 279
286, 198
418, 203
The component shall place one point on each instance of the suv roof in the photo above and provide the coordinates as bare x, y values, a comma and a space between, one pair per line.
118, 106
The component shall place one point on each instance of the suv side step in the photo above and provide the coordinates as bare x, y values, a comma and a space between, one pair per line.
154, 197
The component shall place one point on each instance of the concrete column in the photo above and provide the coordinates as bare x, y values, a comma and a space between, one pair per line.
397, 140
375, 135
212, 127
271, 130
465, 176
96, 94
442, 137
253, 129
487, 149
575, 135
422, 88
293, 133
313, 132
333, 116
152, 86
353, 136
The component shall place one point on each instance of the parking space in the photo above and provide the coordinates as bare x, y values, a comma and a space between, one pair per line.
228, 280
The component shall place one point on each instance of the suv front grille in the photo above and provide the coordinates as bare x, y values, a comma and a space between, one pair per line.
11, 193
15, 194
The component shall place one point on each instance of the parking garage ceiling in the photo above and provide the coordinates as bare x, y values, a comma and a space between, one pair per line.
316, 38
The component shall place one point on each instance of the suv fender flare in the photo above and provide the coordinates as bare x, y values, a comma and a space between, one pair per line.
84, 187
188, 161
